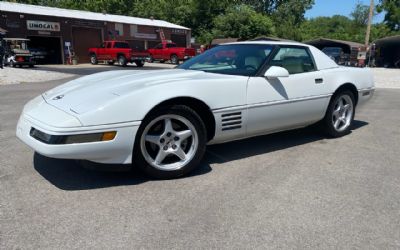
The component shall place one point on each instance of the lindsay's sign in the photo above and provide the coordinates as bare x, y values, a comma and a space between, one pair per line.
42, 26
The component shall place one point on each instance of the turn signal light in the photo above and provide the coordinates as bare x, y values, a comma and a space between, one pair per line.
108, 136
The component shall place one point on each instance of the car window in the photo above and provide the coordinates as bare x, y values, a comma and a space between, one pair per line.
295, 60
108, 45
121, 45
234, 59
159, 46
171, 45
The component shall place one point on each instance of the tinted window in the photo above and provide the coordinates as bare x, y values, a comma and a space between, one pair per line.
235, 59
295, 60
121, 45
171, 45
159, 46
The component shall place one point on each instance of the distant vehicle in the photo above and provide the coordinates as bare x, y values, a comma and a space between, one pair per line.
17, 52
162, 120
337, 54
117, 51
170, 51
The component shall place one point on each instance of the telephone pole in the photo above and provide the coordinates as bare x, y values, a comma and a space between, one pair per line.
371, 15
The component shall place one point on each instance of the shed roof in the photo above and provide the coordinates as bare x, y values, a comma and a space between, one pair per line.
390, 40
224, 40
86, 15
325, 40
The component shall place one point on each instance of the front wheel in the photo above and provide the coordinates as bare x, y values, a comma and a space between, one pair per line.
174, 59
170, 142
340, 114
93, 59
122, 61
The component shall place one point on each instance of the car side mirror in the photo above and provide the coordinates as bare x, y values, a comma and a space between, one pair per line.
275, 72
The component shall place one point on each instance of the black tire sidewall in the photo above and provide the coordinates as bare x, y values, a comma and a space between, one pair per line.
184, 111
122, 61
329, 129
93, 59
174, 59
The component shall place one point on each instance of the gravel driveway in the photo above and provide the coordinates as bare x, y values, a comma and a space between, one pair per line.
292, 190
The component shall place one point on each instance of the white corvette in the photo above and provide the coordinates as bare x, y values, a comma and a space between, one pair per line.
162, 120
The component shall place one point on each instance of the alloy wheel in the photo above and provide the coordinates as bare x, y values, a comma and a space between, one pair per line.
169, 142
343, 113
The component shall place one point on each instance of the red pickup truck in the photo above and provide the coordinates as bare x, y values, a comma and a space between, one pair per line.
169, 51
117, 51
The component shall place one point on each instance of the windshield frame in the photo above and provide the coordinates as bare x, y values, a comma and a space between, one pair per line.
258, 72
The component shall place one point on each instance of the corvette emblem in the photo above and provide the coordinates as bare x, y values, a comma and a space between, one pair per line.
58, 97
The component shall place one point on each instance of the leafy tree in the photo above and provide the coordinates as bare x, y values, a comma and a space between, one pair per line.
360, 14
392, 16
242, 22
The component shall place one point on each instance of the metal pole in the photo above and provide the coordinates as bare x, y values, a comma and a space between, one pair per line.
371, 14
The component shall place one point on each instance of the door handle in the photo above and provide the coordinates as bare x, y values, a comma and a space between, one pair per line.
319, 81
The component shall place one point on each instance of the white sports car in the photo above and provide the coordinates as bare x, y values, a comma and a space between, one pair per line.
162, 120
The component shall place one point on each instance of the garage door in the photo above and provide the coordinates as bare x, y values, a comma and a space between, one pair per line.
83, 39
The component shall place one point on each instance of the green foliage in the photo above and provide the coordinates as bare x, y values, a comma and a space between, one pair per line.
242, 22
392, 16
360, 14
245, 19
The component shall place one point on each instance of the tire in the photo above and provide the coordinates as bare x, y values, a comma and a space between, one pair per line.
12, 64
179, 147
93, 59
339, 115
122, 61
174, 59
139, 63
31, 65
151, 59
110, 62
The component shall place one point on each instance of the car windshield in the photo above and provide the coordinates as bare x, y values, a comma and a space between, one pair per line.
233, 59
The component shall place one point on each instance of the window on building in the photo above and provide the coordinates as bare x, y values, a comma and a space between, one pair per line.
134, 30
119, 27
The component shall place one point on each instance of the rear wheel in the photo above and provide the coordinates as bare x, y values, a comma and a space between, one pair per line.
340, 114
139, 63
170, 142
93, 59
122, 61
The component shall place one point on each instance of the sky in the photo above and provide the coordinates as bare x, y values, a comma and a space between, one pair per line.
337, 7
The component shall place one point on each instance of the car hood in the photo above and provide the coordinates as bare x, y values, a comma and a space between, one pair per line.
98, 90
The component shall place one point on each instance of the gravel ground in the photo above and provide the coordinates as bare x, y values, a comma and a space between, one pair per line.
19, 75
387, 78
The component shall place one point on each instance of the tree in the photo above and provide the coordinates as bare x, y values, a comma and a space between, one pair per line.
242, 22
360, 14
392, 16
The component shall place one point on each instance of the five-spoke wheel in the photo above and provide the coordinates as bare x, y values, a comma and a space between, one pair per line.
340, 114
170, 142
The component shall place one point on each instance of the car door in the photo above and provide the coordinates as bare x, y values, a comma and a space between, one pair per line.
286, 102
101, 51
157, 51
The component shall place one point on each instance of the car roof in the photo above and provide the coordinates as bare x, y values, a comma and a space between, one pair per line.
270, 43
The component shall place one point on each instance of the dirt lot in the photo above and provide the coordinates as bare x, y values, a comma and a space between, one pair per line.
292, 190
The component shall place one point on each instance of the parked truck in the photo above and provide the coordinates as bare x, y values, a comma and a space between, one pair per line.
117, 51
170, 51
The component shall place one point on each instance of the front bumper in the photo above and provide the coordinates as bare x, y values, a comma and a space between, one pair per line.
117, 151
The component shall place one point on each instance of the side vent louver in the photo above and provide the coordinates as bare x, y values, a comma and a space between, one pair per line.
231, 121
